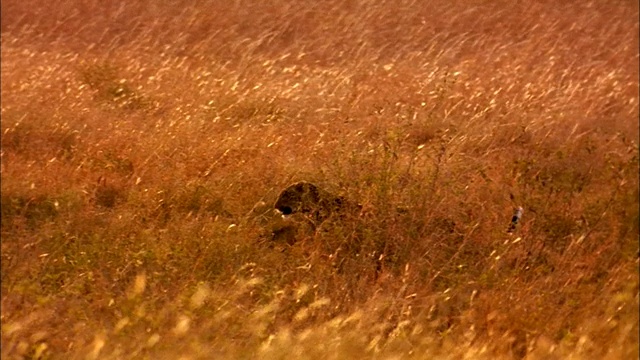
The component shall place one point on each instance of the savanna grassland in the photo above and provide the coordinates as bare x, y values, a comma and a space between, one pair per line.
143, 144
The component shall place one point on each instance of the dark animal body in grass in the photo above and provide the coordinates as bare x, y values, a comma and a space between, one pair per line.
313, 212
310, 200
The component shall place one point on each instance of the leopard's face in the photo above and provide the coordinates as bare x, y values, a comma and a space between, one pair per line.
301, 197
308, 207
309, 199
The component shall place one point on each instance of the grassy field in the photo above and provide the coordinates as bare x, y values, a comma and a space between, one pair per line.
144, 143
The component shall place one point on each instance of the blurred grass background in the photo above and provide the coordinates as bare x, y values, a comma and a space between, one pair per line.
137, 139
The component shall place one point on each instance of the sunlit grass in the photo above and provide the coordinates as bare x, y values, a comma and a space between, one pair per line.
144, 144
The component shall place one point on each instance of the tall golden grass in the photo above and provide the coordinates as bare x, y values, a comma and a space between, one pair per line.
137, 138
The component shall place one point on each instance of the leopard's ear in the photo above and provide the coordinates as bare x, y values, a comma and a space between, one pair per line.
298, 187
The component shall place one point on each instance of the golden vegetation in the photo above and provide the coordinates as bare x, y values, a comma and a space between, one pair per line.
138, 136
